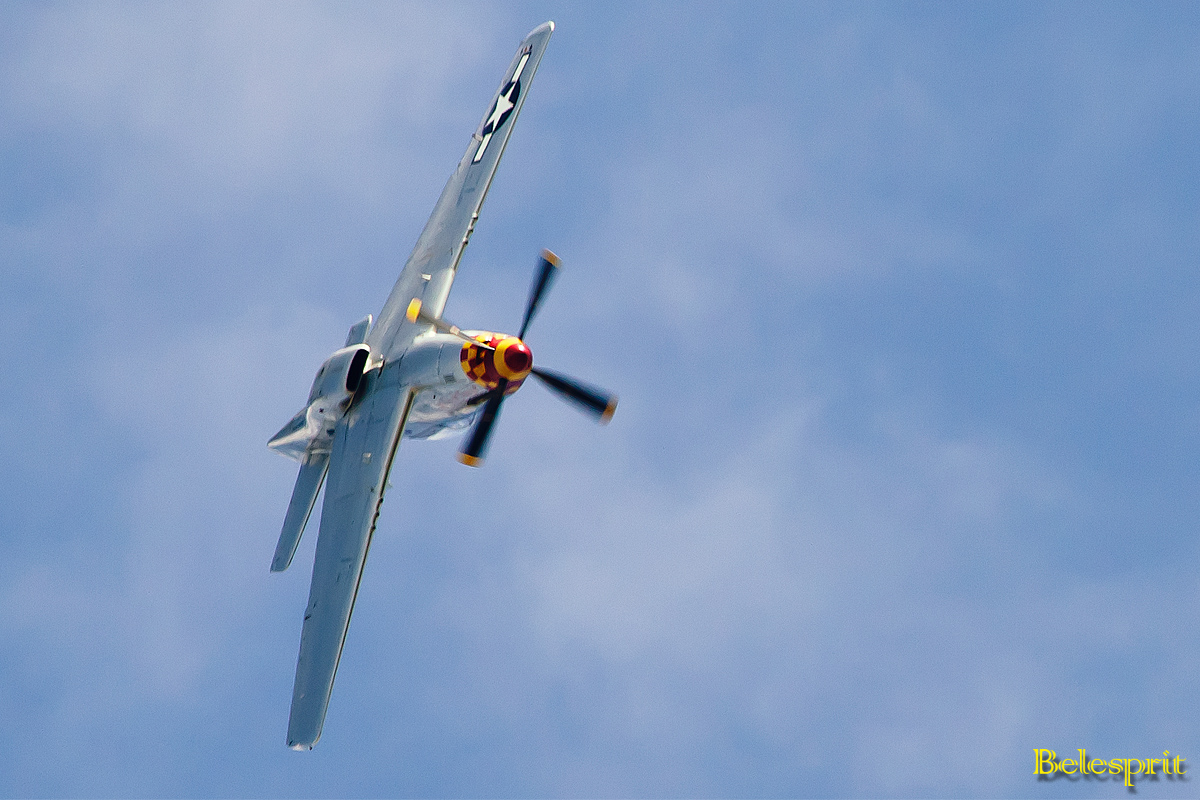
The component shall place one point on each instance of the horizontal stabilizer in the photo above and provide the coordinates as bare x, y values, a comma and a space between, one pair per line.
308, 484
293, 439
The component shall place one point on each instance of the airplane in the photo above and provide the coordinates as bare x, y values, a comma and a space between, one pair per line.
409, 373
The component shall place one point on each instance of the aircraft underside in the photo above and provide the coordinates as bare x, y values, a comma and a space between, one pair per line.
438, 412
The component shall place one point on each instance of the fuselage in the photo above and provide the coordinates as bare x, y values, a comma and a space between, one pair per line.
452, 378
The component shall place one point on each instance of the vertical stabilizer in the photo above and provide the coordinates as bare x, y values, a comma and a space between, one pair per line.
358, 331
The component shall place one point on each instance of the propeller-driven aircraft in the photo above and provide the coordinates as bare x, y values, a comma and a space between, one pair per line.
409, 373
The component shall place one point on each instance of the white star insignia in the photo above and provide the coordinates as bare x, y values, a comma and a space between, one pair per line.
504, 105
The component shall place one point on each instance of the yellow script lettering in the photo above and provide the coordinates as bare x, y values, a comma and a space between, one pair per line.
1045, 758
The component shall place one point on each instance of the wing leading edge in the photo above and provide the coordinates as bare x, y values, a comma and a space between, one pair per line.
430, 269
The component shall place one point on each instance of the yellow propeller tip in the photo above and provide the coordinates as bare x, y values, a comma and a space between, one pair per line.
553, 259
470, 460
609, 410
414, 310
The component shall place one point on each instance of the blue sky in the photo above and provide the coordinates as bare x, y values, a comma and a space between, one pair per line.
900, 301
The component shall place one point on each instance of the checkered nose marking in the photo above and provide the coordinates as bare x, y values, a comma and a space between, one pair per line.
511, 360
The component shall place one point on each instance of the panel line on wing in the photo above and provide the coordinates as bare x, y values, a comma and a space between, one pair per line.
371, 530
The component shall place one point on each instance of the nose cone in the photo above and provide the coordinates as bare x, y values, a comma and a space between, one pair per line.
513, 359
510, 361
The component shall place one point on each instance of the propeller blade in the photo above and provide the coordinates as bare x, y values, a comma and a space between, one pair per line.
472, 454
590, 398
416, 314
547, 269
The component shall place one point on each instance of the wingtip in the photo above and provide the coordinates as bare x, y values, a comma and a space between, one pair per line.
470, 460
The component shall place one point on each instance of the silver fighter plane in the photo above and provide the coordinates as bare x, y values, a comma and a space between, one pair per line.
412, 374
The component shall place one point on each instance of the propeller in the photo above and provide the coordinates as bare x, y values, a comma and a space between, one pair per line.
594, 401
547, 270
472, 452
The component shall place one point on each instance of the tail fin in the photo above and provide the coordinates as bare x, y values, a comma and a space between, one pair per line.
358, 331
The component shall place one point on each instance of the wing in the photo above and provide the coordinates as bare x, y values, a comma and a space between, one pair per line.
363, 447
430, 269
